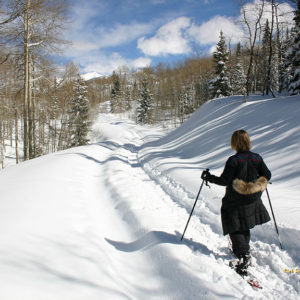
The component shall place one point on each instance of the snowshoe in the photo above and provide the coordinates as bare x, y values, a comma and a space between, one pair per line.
241, 267
253, 282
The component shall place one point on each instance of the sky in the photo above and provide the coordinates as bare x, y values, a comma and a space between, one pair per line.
106, 35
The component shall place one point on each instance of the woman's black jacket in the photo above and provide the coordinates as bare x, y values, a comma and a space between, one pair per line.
244, 209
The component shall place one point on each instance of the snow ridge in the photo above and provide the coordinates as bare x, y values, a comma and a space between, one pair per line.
269, 261
104, 221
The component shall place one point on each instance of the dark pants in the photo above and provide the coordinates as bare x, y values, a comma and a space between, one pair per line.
240, 242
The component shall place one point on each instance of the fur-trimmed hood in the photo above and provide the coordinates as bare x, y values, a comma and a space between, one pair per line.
247, 188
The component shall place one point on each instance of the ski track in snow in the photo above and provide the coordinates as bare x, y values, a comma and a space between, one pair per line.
118, 235
160, 194
176, 282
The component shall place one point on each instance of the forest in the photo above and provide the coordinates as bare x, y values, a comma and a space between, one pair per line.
45, 107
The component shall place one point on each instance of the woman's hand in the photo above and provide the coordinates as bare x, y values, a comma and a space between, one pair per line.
206, 175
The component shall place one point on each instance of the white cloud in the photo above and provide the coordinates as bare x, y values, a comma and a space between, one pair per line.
121, 33
209, 32
83, 46
140, 62
93, 41
88, 33
103, 64
177, 36
86, 40
84, 11
169, 39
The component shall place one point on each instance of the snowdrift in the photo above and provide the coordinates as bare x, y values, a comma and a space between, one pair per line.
203, 141
104, 221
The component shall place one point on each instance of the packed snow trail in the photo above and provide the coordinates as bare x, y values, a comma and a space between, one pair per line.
269, 260
104, 221
152, 216
89, 223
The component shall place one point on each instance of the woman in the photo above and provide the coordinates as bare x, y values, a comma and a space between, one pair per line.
245, 176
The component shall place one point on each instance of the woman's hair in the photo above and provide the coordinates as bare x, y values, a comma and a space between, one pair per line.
240, 141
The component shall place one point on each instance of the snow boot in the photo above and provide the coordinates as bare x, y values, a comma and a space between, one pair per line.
243, 264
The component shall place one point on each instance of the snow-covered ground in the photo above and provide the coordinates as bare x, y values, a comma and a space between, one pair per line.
104, 221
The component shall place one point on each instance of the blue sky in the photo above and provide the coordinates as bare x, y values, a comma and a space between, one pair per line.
107, 34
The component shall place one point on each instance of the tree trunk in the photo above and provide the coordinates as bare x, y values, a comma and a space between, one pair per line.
252, 38
16, 131
26, 79
268, 88
279, 50
1, 145
30, 112
33, 115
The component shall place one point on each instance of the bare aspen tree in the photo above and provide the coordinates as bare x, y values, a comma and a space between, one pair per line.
279, 46
66, 92
13, 12
7, 15
253, 31
27, 89
268, 87
43, 22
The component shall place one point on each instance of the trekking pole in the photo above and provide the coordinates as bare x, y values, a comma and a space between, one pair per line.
194, 205
274, 219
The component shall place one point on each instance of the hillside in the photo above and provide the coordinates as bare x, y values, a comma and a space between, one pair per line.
104, 221
204, 142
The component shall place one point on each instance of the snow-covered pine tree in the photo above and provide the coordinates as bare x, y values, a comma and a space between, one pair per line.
135, 92
79, 122
145, 110
220, 85
268, 67
186, 101
294, 55
275, 72
115, 103
286, 65
263, 66
238, 77
127, 98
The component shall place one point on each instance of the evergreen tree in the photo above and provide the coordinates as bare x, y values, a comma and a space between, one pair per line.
238, 77
127, 98
135, 92
144, 110
264, 57
269, 62
275, 71
116, 105
294, 55
220, 85
186, 103
286, 65
79, 122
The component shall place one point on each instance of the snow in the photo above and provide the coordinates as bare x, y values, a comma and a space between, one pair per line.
91, 75
104, 221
